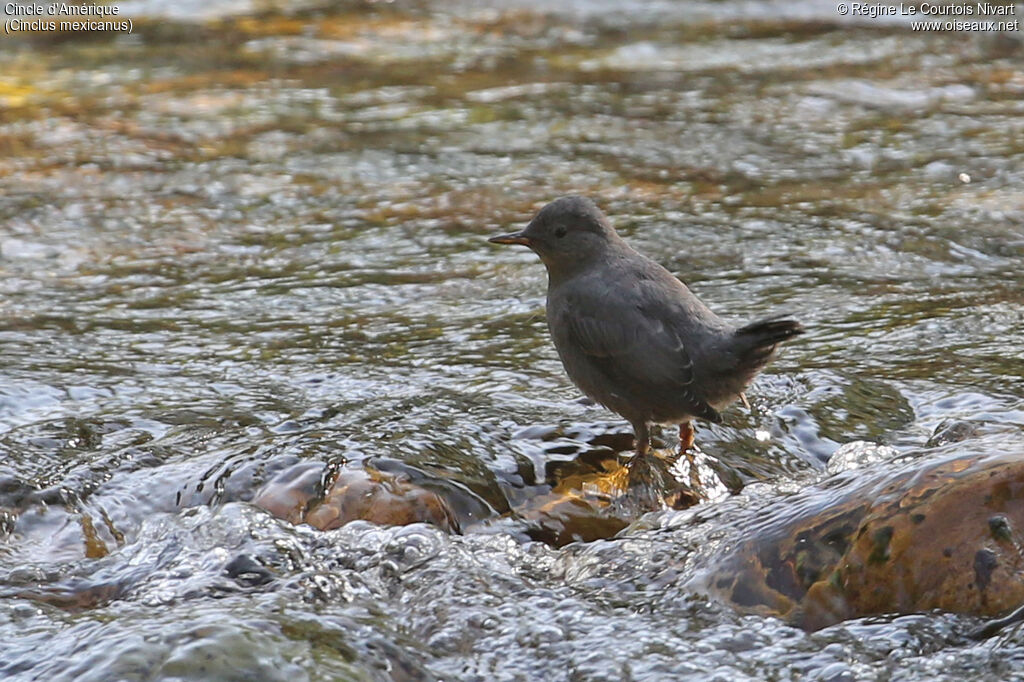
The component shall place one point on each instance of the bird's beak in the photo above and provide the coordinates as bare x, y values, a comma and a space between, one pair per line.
514, 238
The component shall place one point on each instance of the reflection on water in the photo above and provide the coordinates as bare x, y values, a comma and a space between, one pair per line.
245, 238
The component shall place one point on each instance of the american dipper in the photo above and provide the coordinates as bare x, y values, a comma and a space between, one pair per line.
633, 337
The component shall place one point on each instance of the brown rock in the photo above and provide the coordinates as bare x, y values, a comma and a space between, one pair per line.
946, 533
296, 495
594, 505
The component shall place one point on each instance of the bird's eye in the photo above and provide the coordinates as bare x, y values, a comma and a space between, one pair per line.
560, 231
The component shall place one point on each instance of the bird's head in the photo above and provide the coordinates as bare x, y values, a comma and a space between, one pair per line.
567, 234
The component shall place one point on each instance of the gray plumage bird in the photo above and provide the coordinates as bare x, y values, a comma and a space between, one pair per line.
633, 337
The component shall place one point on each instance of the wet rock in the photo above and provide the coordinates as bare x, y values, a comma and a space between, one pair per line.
943, 533
579, 508
247, 571
567, 450
472, 490
584, 506
379, 498
951, 431
589, 492
651, 485
858, 454
14, 491
558, 519
310, 493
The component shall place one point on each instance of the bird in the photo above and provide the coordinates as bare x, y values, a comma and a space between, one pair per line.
632, 336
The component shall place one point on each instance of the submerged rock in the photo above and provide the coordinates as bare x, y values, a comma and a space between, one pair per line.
309, 493
592, 492
587, 493
596, 502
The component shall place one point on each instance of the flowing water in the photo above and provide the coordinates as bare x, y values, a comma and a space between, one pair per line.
245, 237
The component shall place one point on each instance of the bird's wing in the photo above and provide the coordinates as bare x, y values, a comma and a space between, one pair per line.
636, 345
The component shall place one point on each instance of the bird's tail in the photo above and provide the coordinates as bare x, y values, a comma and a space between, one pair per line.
757, 341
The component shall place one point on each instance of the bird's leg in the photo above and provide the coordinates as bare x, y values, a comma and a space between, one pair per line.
643, 438
637, 464
686, 433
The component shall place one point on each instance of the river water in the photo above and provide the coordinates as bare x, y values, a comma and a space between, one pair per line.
245, 236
